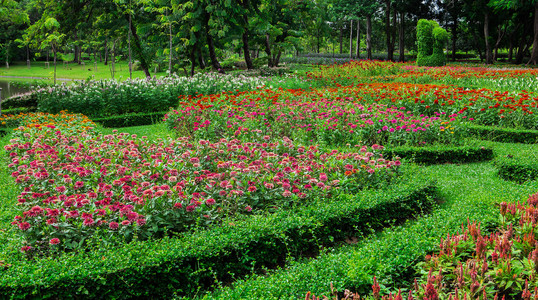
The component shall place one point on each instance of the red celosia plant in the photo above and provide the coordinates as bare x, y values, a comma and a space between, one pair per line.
473, 265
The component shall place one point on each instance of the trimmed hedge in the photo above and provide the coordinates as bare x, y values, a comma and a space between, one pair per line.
27, 100
517, 169
441, 154
127, 120
503, 135
197, 261
469, 192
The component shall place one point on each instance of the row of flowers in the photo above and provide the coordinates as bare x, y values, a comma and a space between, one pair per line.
109, 97
385, 113
76, 183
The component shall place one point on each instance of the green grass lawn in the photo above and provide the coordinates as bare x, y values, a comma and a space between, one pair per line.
72, 71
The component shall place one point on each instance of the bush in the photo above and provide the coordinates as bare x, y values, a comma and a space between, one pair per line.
503, 135
518, 169
441, 154
195, 261
131, 119
430, 41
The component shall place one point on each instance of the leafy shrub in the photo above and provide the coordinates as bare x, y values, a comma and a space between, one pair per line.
442, 154
430, 42
135, 119
503, 135
518, 169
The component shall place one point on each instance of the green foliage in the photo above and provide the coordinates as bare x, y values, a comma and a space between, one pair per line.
442, 154
127, 120
518, 169
503, 135
430, 42
194, 261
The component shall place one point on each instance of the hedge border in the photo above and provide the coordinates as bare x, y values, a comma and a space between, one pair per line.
517, 170
441, 155
196, 261
127, 120
503, 135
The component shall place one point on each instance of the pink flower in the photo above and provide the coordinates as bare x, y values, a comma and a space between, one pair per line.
113, 225
141, 222
60, 189
24, 226
248, 208
252, 188
54, 241
323, 177
25, 248
79, 184
191, 208
286, 194
210, 201
88, 222
125, 222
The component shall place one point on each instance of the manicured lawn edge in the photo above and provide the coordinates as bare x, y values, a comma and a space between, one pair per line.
504, 135
441, 154
194, 262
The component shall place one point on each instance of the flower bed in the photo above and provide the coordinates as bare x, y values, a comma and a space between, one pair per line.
109, 97
78, 184
340, 116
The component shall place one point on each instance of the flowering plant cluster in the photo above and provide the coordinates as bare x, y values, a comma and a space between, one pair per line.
78, 184
474, 265
327, 116
110, 97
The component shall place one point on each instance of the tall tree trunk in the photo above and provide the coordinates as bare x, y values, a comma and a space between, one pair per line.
500, 35
54, 50
341, 38
489, 59
276, 60
138, 49
402, 37
28, 56
393, 29
246, 49
318, 44
351, 39
106, 52
201, 60
358, 39
534, 54
521, 49
510, 49
454, 37
387, 29
268, 51
369, 37
212, 54
193, 60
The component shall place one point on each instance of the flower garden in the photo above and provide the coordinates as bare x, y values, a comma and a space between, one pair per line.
376, 180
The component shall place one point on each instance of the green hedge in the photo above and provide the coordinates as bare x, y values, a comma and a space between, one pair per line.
128, 120
441, 154
517, 169
194, 262
28, 100
469, 193
503, 135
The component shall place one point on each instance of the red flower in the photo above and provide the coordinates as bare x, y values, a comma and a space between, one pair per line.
54, 241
